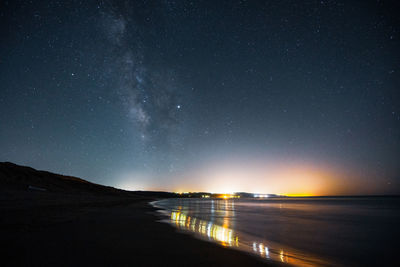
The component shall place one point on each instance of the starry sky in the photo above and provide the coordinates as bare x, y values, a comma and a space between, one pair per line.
290, 97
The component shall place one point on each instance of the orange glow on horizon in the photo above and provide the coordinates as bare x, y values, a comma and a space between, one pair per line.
294, 180
299, 195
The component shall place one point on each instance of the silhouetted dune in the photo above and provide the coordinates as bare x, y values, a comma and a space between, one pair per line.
17, 177
21, 178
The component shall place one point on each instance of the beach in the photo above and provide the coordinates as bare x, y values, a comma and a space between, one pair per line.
54, 220
105, 234
81, 228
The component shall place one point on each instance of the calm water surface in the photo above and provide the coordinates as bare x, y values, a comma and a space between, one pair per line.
300, 231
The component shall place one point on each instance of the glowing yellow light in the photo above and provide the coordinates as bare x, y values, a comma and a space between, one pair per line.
188, 222
299, 195
261, 248
222, 234
227, 237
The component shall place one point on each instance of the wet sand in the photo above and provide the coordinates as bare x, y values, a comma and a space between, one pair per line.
59, 228
105, 234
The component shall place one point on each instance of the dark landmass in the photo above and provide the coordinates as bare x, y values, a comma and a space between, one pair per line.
49, 219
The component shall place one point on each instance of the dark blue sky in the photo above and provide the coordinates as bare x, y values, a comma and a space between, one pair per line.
159, 94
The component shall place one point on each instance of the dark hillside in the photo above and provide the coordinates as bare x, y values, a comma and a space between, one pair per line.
21, 178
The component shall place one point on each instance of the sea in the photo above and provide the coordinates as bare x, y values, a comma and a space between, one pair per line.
317, 231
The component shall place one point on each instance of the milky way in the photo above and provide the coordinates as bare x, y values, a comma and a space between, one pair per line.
150, 96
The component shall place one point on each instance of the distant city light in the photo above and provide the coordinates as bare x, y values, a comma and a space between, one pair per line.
261, 195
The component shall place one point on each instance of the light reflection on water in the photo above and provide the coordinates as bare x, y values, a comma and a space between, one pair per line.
221, 230
344, 231
221, 234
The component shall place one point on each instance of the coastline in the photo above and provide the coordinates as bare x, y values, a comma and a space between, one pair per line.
113, 231
48, 219
275, 230
229, 238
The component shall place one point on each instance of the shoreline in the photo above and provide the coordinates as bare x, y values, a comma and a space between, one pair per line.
72, 222
252, 258
299, 233
106, 233
229, 238
50, 219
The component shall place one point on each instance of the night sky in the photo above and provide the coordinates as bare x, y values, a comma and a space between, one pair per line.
294, 97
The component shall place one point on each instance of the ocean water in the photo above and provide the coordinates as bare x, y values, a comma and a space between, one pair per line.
352, 231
